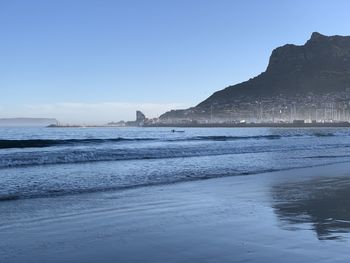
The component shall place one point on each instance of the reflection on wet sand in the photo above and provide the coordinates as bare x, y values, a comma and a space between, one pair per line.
323, 204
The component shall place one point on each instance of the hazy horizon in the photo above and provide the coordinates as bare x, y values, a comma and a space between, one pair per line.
92, 62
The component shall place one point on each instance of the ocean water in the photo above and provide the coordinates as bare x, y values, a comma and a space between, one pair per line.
46, 162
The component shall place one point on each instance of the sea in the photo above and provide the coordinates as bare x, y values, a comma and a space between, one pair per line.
50, 162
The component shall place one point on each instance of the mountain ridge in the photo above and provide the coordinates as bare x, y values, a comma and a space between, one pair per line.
320, 66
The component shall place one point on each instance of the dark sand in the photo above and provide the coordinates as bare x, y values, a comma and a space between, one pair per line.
295, 216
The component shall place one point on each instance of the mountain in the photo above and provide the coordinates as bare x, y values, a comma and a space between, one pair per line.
320, 68
43, 122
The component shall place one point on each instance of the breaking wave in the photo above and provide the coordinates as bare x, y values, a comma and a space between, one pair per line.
42, 143
8, 144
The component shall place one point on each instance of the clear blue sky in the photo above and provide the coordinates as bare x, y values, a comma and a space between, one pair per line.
93, 61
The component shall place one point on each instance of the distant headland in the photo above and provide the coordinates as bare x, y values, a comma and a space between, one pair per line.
20, 122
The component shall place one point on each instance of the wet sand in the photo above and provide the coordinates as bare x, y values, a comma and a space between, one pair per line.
294, 216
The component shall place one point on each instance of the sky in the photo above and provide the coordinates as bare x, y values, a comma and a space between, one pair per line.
95, 61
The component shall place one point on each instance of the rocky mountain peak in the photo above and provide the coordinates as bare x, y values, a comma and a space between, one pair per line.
320, 66
317, 36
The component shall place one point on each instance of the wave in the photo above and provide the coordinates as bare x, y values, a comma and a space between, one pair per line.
254, 137
52, 192
236, 138
41, 143
66, 156
327, 156
92, 155
268, 137
232, 138
48, 193
328, 134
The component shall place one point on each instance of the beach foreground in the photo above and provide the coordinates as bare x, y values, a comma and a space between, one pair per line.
298, 215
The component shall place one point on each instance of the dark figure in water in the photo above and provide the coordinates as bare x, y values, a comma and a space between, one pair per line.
176, 131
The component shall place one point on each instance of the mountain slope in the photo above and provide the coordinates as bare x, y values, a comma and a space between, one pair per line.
319, 67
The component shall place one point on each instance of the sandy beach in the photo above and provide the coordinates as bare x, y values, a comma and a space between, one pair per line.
297, 215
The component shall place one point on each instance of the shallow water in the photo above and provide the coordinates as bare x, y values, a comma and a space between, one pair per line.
297, 215
323, 204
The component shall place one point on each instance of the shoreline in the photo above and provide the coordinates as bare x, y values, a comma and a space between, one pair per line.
217, 125
256, 125
255, 218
